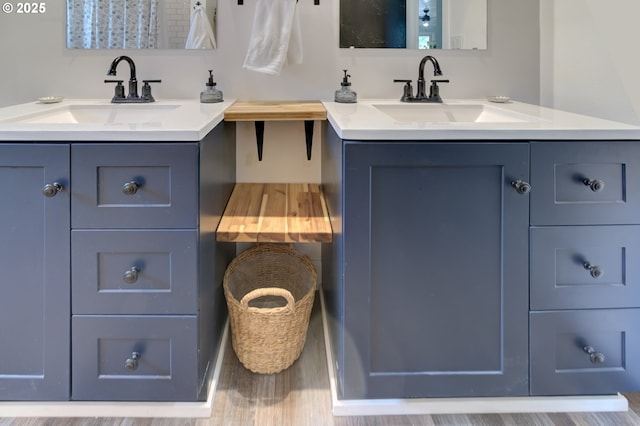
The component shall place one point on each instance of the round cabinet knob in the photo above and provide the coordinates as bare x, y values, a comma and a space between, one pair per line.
521, 186
130, 188
131, 275
594, 270
51, 189
596, 185
131, 364
596, 357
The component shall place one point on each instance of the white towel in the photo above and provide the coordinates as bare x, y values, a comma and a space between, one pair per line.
200, 34
275, 37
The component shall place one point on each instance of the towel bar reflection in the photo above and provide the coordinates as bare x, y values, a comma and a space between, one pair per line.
315, 2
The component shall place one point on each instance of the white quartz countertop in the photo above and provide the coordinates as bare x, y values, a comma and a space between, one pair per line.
369, 119
366, 120
163, 120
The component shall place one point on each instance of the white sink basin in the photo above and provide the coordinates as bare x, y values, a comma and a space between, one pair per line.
98, 114
442, 113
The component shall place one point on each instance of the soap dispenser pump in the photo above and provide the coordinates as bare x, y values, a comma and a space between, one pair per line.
210, 94
345, 95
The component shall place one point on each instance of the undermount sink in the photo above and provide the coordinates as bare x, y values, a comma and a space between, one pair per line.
443, 113
98, 114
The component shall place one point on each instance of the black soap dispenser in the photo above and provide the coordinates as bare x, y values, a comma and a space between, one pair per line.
345, 95
210, 94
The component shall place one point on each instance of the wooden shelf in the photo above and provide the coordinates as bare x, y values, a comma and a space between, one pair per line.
275, 111
276, 212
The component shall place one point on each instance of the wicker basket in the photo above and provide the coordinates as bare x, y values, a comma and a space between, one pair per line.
269, 290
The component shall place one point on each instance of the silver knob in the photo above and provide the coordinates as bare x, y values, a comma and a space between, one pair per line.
131, 364
596, 357
596, 185
521, 186
131, 275
594, 270
130, 188
52, 189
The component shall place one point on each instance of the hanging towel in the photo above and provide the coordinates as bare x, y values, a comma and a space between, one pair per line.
200, 34
275, 37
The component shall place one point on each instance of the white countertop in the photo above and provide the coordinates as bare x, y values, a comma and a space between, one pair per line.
190, 120
364, 121
180, 120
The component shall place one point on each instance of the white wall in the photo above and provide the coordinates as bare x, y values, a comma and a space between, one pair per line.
590, 59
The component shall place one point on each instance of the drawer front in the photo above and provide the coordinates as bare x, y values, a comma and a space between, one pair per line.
134, 186
585, 183
561, 340
134, 271
134, 358
575, 267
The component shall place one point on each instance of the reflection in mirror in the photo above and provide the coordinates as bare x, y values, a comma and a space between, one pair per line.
141, 24
414, 24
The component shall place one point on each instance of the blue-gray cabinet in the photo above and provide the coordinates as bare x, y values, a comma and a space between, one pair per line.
110, 275
482, 268
34, 272
426, 283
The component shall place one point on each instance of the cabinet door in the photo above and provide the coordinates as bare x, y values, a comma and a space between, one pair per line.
436, 249
585, 183
34, 273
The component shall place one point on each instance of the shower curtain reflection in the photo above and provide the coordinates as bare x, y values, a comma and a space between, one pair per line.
107, 24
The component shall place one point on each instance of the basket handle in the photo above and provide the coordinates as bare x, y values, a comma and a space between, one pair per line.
268, 291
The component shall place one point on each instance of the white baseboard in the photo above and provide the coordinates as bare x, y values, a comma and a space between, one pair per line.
200, 409
417, 406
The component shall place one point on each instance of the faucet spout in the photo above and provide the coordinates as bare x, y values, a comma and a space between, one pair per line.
133, 82
421, 82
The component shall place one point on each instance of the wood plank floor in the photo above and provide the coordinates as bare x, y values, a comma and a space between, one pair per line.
300, 396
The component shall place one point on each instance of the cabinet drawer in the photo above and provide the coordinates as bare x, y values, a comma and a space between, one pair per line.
575, 267
585, 183
105, 365
134, 186
134, 271
560, 365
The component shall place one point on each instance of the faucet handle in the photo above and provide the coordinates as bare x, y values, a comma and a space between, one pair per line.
119, 89
146, 90
407, 90
434, 90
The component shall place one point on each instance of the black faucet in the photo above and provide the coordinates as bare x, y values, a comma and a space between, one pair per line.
436, 72
434, 90
133, 84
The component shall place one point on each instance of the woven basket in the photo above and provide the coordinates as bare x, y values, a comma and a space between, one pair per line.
269, 290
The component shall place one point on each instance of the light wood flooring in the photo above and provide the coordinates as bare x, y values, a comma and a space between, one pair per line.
300, 396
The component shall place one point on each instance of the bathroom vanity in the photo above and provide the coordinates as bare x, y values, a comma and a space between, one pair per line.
480, 251
111, 273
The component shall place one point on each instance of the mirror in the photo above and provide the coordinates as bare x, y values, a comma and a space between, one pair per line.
413, 24
142, 24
